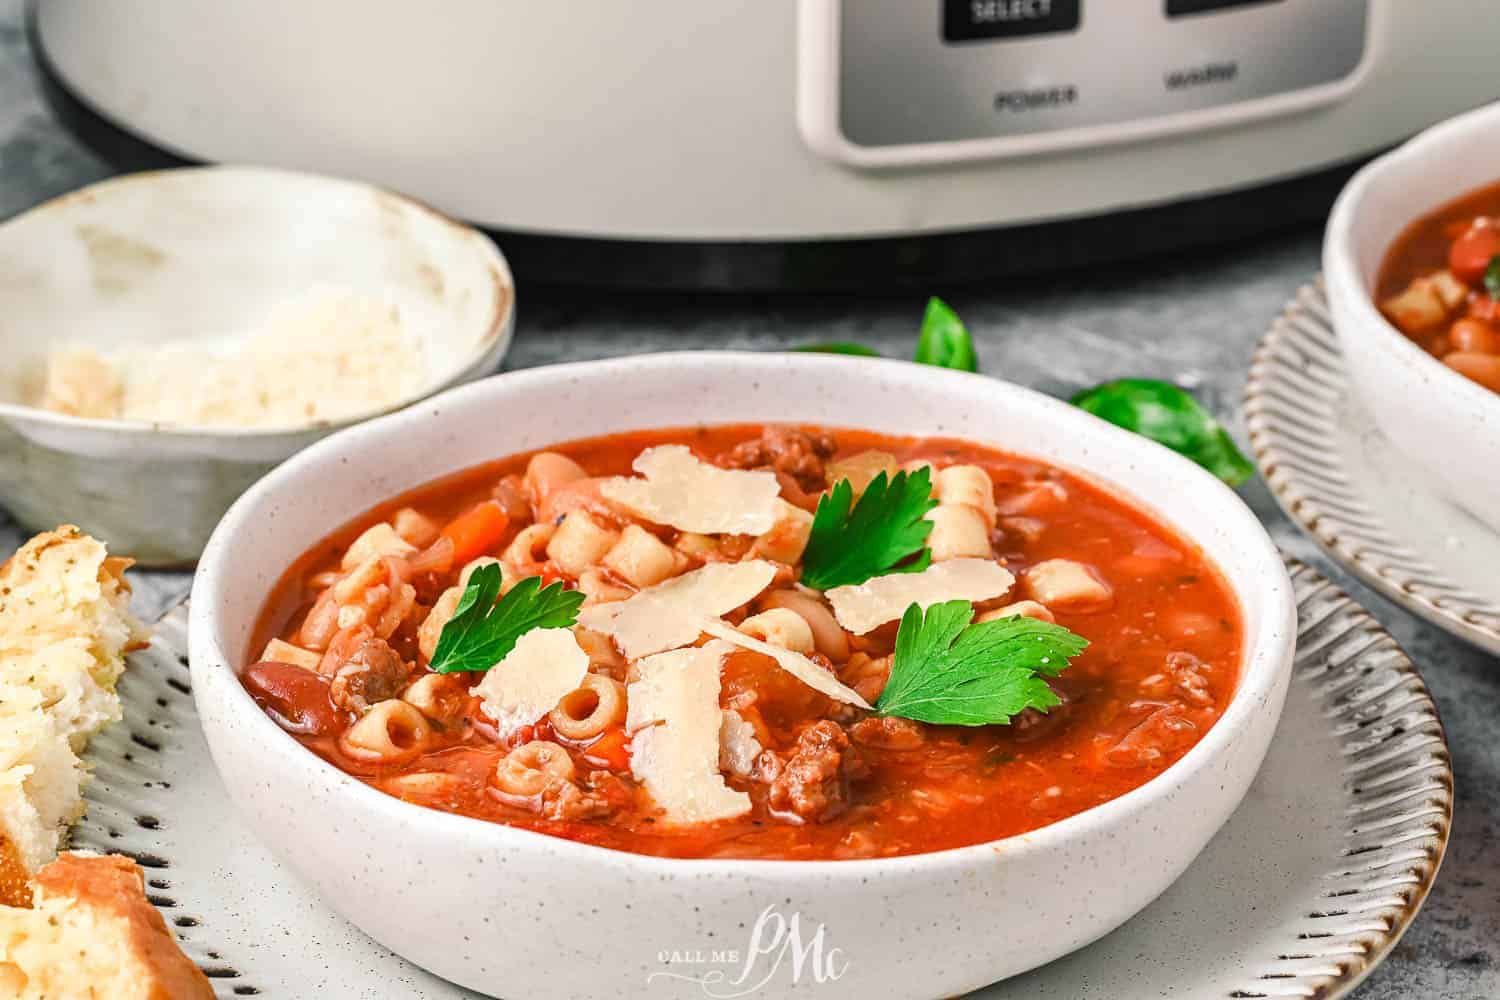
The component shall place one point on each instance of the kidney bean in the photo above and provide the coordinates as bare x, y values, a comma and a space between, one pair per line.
295, 697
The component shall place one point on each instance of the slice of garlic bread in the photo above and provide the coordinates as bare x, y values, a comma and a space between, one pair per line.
64, 632
92, 934
64, 627
41, 780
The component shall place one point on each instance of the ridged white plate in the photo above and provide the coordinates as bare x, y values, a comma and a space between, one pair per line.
1305, 890
1342, 481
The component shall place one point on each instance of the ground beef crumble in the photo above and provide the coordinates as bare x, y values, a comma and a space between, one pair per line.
813, 784
796, 453
373, 673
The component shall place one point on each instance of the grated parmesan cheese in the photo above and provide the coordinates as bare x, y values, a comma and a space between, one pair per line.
675, 722
692, 495
799, 666
325, 357
863, 607
670, 614
545, 664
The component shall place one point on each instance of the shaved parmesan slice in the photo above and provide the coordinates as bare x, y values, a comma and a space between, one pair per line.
669, 614
675, 720
692, 495
869, 605
796, 664
545, 664
738, 746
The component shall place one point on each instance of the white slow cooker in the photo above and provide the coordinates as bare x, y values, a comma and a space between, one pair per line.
792, 143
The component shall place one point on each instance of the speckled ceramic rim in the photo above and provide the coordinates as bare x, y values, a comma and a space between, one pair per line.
1297, 384
1399, 774
495, 338
1266, 658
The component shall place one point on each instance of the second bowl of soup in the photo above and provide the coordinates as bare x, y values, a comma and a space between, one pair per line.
1410, 259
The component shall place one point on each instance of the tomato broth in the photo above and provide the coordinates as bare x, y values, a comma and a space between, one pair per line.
829, 780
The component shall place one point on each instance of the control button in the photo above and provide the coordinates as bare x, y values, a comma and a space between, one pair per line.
977, 20
1181, 8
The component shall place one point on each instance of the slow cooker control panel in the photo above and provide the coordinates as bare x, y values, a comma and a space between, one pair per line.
907, 81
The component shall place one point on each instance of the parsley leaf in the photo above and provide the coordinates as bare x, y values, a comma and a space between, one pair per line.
481, 632
1492, 277
949, 672
886, 527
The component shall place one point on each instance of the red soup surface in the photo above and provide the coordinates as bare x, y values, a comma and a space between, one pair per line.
1438, 285
346, 637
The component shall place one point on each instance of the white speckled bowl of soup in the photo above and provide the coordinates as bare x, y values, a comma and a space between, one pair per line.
1408, 257
722, 763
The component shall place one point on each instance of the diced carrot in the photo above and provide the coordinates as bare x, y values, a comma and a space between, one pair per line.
476, 532
611, 750
1481, 368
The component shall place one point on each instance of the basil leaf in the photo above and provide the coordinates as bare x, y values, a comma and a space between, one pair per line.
1492, 277
944, 341
840, 347
1168, 415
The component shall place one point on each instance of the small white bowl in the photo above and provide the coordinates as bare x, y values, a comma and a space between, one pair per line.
1442, 421
516, 913
198, 254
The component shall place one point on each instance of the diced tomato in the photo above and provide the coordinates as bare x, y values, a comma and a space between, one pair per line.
476, 532
611, 750
1472, 252
1483, 307
1474, 336
485, 726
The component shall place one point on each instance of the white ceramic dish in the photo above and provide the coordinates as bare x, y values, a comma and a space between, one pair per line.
1364, 502
447, 891
1273, 907
1446, 424
203, 254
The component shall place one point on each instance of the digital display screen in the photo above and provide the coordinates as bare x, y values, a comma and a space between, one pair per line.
980, 20
1178, 8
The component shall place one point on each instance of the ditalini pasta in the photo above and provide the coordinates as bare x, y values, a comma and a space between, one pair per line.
695, 643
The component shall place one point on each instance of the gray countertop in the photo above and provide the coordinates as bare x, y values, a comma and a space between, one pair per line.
1195, 319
